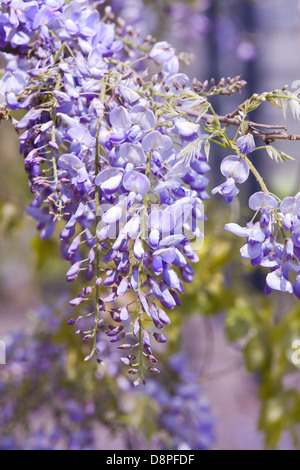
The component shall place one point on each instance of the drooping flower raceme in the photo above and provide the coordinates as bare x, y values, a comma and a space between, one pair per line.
264, 246
103, 160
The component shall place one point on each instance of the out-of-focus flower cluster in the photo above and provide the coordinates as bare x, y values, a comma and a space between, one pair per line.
191, 22
45, 406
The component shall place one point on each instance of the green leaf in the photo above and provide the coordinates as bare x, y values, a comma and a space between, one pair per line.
277, 155
214, 125
283, 105
256, 354
295, 108
238, 321
191, 151
279, 412
169, 112
252, 104
203, 109
207, 149
189, 95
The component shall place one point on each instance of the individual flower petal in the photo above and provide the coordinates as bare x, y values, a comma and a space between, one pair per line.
167, 300
250, 251
162, 52
170, 277
172, 240
144, 303
124, 314
237, 229
133, 153
154, 316
262, 200
136, 182
290, 205
246, 144
163, 317
154, 238
138, 249
119, 118
70, 163
129, 95
112, 215
236, 168
157, 265
156, 141
256, 234
143, 117
123, 286
277, 281
73, 271
186, 129
134, 277
167, 254
109, 179
159, 337
132, 227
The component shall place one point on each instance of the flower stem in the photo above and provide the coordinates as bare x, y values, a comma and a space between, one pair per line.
97, 207
54, 163
140, 276
257, 175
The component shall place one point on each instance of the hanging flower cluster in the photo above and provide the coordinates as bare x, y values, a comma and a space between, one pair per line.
181, 420
102, 159
117, 159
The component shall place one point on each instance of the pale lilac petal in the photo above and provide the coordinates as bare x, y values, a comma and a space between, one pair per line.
236, 168
162, 52
132, 153
250, 251
134, 181
277, 281
123, 286
186, 129
290, 205
156, 141
237, 229
119, 118
143, 117
112, 215
261, 200
138, 249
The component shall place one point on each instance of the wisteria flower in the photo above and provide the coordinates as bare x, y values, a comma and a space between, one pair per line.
236, 170
11, 85
162, 52
246, 144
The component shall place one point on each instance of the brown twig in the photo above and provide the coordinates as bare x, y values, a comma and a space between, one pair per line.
267, 137
8, 49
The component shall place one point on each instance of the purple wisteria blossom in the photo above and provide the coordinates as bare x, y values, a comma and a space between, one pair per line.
246, 144
101, 164
235, 170
263, 247
11, 85
70, 421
